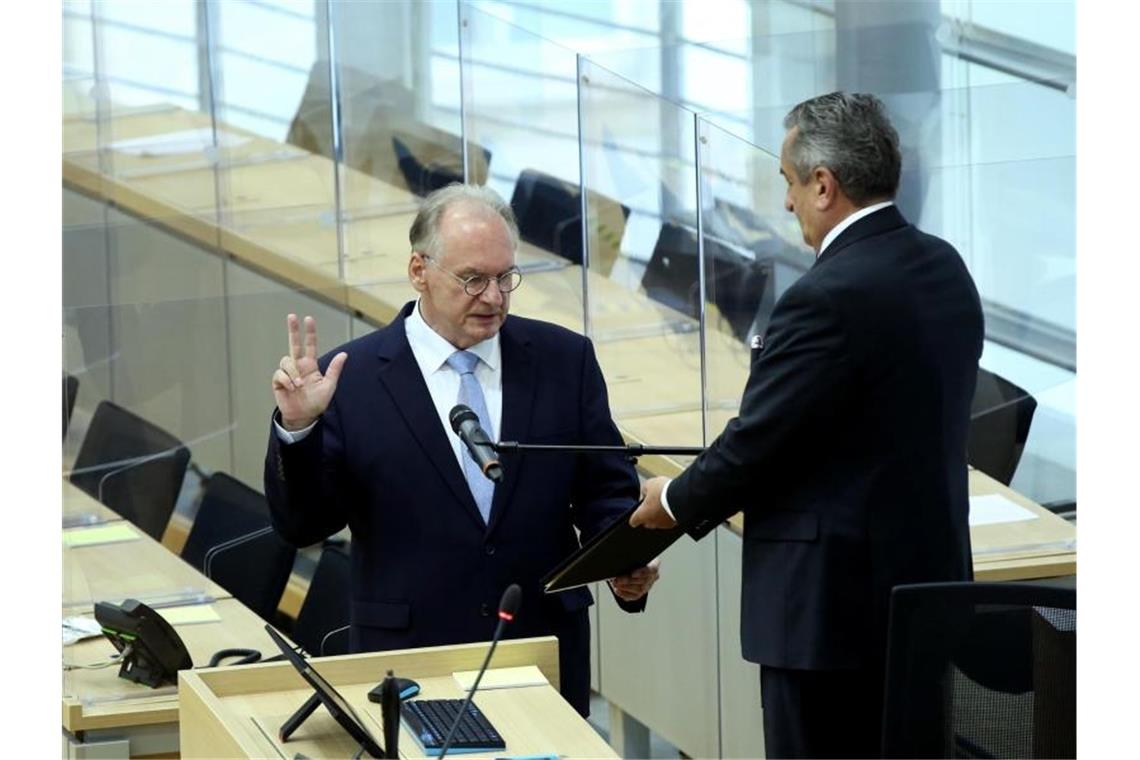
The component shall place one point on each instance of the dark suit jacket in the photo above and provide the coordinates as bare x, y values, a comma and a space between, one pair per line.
426, 570
848, 456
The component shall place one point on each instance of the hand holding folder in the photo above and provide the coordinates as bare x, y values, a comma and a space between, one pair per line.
617, 550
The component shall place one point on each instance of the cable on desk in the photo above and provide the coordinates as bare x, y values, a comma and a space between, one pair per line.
114, 660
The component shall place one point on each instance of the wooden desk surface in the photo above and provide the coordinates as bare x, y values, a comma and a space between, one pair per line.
141, 568
95, 699
233, 711
80, 508
1044, 547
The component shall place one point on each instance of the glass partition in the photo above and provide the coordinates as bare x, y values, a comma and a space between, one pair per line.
520, 113
751, 256
397, 144
643, 300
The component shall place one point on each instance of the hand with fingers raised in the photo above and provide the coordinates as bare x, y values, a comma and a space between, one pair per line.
301, 391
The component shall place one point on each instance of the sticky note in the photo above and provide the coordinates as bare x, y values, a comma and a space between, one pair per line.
501, 678
103, 534
191, 613
995, 508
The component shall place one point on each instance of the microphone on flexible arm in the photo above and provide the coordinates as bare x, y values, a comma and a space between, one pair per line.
465, 423
508, 607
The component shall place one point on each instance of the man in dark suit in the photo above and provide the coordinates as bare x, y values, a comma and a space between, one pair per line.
848, 456
434, 543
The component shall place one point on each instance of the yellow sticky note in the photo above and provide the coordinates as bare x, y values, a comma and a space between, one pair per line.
501, 678
191, 613
102, 534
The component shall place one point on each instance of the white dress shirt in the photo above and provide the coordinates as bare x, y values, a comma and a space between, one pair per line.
431, 351
828, 239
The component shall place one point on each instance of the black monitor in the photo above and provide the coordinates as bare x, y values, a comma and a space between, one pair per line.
549, 214
337, 705
736, 282
153, 652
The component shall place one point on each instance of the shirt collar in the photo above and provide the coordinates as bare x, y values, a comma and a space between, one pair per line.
829, 238
432, 350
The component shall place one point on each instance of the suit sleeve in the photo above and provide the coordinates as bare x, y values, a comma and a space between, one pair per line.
304, 480
606, 485
795, 384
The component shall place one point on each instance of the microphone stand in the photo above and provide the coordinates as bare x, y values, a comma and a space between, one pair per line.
632, 450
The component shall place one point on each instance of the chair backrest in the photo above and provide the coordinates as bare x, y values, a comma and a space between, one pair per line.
999, 426
131, 465
430, 158
70, 391
374, 111
981, 670
322, 622
549, 213
233, 542
735, 282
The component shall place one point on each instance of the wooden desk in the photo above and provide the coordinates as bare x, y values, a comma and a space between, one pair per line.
99, 707
235, 712
141, 568
1044, 547
1041, 548
80, 508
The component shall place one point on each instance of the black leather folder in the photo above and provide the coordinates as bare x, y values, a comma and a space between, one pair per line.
617, 550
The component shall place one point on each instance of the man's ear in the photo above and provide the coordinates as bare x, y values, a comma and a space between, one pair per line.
825, 188
416, 268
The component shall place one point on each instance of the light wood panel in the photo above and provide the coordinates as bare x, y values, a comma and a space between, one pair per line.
236, 712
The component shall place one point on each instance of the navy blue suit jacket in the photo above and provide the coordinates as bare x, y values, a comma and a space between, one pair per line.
848, 455
426, 570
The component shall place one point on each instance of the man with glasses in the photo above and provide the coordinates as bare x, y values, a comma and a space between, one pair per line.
361, 438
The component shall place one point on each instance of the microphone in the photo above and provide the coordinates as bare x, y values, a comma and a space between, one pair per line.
390, 713
508, 607
465, 423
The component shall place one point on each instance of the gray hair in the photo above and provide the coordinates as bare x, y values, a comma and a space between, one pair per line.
424, 234
850, 135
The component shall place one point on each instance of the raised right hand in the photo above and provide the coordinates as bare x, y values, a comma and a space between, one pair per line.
301, 391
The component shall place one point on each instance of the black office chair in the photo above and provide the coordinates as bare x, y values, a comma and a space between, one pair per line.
999, 426
430, 159
549, 214
735, 282
233, 543
70, 391
981, 670
131, 465
322, 622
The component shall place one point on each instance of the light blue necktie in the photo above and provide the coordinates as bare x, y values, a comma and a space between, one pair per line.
471, 394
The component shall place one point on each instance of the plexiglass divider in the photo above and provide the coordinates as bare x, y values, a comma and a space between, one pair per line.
750, 256
638, 150
520, 115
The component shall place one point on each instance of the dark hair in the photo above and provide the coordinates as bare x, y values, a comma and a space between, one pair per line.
850, 135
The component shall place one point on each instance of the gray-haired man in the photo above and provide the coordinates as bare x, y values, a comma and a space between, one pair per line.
849, 453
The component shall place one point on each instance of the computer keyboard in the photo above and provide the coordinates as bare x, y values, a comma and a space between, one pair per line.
429, 720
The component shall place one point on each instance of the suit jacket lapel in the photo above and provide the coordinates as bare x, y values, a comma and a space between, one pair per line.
883, 220
519, 377
400, 376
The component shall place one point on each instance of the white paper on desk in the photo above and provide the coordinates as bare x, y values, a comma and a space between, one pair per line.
995, 508
501, 678
79, 628
175, 143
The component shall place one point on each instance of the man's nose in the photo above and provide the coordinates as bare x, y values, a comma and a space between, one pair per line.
788, 204
492, 294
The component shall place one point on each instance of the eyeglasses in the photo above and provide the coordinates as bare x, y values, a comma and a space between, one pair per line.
477, 283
